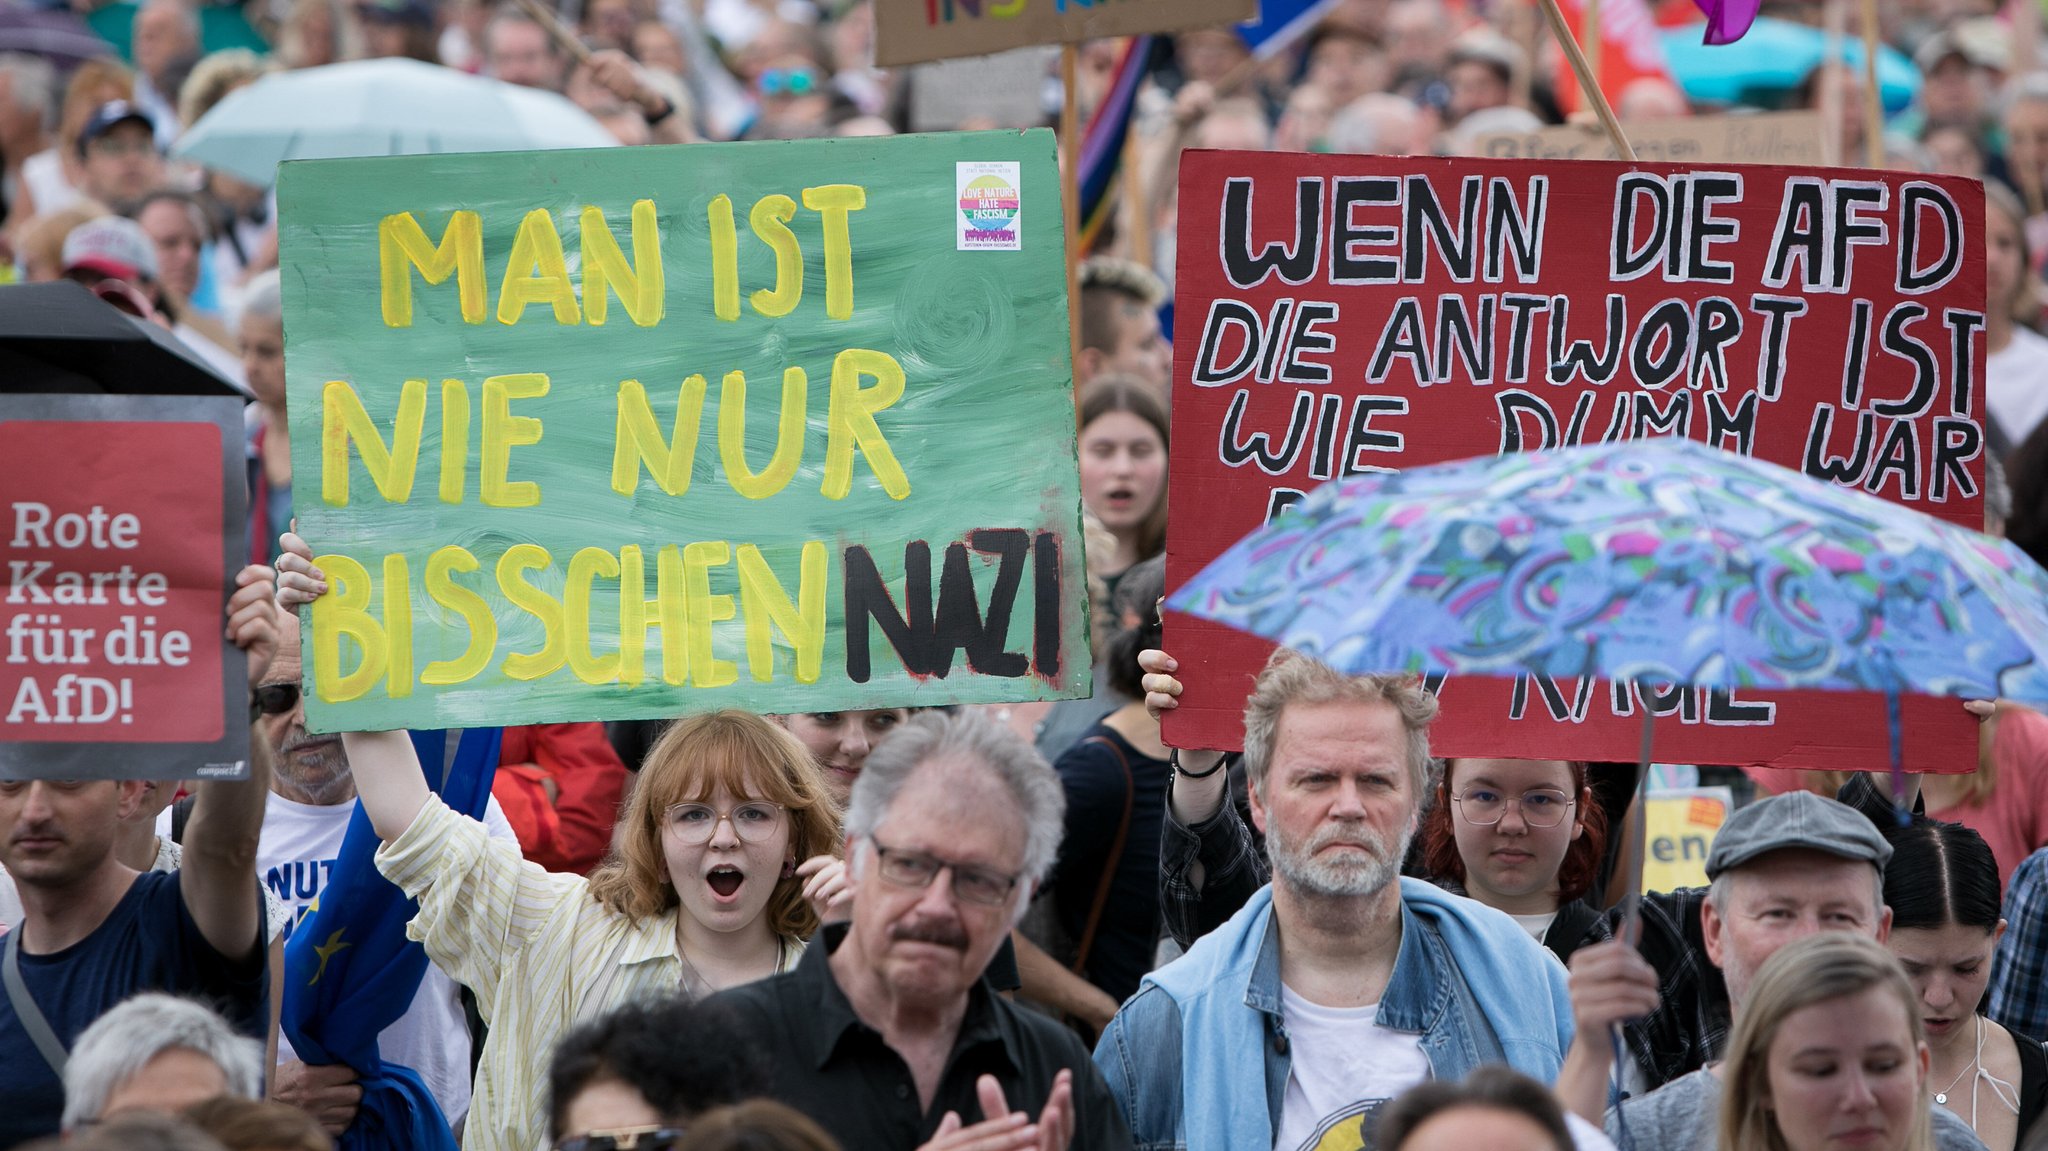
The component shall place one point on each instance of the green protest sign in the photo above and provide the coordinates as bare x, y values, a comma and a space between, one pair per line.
635, 432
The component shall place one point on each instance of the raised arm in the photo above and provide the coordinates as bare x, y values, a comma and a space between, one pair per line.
216, 880
1196, 793
1208, 863
385, 766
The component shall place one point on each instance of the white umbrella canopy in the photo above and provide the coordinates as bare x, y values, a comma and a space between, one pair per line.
389, 107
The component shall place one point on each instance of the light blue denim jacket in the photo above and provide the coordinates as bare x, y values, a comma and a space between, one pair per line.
1178, 1056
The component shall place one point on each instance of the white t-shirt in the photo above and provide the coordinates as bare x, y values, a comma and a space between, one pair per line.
1536, 924
295, 859
1345, 1066
2016, 385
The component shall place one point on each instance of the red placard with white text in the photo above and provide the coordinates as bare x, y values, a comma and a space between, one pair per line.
117, 552
1337, 314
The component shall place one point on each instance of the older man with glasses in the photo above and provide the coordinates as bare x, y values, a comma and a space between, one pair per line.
887, 1034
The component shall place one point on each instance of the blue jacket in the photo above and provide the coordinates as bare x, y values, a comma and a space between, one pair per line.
1182, 1054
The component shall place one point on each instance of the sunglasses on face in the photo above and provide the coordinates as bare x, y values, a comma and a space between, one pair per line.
626, 1139
277, 698
788, 82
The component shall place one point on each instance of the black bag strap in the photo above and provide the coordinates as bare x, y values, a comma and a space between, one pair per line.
25, 1009
181, 814
1109, 866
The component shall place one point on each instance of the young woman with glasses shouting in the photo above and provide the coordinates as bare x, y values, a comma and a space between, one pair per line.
700, 894
1523, 836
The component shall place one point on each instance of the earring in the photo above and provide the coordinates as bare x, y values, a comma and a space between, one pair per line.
789, 869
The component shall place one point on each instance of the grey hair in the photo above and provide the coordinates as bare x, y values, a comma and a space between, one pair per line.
121, 1043
1039, 799
34, 84
1359, 127
1291, 677
263, 298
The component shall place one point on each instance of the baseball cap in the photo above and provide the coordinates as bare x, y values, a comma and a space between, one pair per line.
109, 114
1484, 46
1796, 819
1982, 43
112, 246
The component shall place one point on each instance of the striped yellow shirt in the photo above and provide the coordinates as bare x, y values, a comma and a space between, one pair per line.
536, 950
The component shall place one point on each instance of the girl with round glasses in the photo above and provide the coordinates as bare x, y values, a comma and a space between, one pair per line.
700, 893
1522, 836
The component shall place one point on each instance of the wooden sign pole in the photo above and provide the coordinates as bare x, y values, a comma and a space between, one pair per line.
1588, 82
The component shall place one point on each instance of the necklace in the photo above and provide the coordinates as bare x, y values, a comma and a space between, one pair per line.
1942, 1096
694, 983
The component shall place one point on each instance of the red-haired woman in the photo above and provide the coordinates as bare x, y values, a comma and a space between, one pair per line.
1523, 836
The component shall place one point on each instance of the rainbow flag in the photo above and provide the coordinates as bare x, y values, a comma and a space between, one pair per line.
1102, 144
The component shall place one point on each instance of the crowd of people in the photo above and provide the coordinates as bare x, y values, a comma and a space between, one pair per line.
1012, 927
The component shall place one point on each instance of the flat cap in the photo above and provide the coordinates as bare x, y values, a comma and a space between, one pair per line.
1797, 819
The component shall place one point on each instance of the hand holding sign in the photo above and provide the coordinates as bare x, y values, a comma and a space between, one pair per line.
252, 618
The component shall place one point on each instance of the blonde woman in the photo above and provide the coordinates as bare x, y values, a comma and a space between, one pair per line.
1828, 1053
701, 893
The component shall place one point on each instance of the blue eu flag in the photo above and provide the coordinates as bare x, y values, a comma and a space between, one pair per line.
1280, 24
350, 972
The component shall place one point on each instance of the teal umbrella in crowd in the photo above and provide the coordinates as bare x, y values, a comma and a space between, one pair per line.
1660, 560
1771, 61
389, 107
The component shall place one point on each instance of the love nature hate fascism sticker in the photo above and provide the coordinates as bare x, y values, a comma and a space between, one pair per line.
991, 206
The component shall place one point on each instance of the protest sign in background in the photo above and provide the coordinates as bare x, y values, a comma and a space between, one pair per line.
909, 31
125, 524
1680, 826
1767, 138
1342, 313
1006, 90
644, 431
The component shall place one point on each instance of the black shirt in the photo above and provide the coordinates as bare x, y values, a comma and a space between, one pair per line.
837, 1070
1102, 773
148, 942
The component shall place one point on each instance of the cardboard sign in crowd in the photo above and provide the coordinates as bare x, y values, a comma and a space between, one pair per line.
125, 522
639, 432
1340, 314
910, 31
1762, 138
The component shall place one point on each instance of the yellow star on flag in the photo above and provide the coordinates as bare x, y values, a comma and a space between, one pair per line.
326, 952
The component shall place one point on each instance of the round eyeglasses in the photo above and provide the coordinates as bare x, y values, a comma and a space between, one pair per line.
1542, 807
696, 823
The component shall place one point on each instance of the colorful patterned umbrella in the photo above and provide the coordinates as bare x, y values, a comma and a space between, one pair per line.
1660, 560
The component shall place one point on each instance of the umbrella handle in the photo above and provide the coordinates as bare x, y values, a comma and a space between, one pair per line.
1638, 830
1900, 808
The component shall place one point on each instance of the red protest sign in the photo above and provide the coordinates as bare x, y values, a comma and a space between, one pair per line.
1346, 313
116, 551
